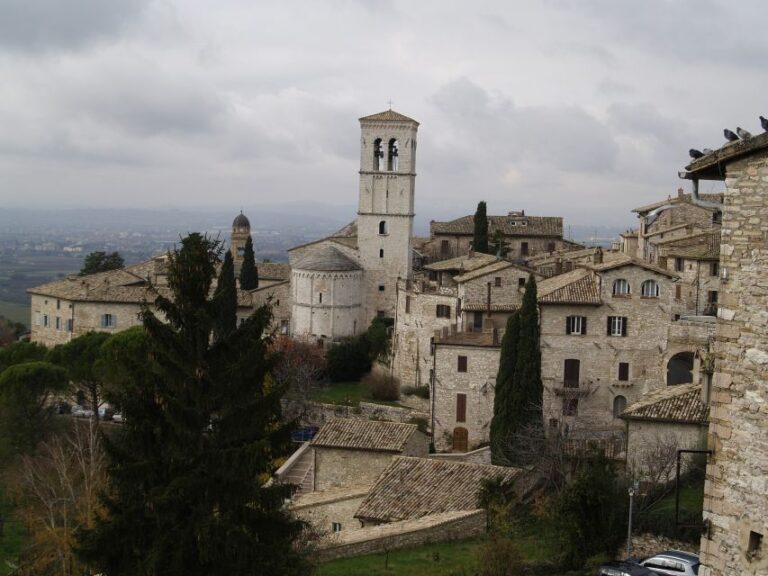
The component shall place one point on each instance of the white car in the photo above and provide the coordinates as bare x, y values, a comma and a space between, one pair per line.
80, 412
118, 418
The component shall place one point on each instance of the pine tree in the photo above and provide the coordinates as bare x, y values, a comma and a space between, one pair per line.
189, 468
249, 276
226, 299
503, 408
528, 366
480, 242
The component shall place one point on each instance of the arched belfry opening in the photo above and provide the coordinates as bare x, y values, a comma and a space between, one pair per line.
392, 155
680, 369
378, 154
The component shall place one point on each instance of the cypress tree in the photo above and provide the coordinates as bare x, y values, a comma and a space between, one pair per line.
480, 242
249, 276
188, 470
226, 299
503, 408
528, 365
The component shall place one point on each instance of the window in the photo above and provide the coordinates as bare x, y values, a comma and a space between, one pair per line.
679, 264
392, 156
70, 325
241, 251
617, 326
571, 371
45, 320
497, 281
619, 405
378, 154
320, 297
524, 249
714, 268
284, 327
383, 228
678, 292
381, 252
381, 287
108, 321
445, 248
381, 314
754, 545
620, 287
576, 325
623, 371
570, 406
443, 311
58, 304
336, 526
712, 297
717, 217
407, 304
461, 407
462, 364
58, 323
521, 282
649, 289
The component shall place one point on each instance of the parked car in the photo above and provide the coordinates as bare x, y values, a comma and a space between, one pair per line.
80, 412
117, 417
624, 568
106, 413
61, 407
673, 562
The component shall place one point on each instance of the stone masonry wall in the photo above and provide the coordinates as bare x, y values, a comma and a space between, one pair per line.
335, 468
735, 501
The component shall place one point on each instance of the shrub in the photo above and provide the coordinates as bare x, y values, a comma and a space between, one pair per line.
348, 360
499, 556
421, 424
382, 386
420, 391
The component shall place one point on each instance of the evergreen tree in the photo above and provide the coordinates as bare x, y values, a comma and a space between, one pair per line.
80, 358
226, 299
528, 366
189, 468
249, 276
504, 412
101, 262
480, 242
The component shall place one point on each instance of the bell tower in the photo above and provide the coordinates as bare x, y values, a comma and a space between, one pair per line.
385, 207
241, 230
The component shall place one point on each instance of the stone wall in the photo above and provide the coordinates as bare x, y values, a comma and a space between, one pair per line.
477, 383
317, 414
735, 502
644, 438
408, 533
479, 456
645, 545
337, 468
326, 304
324, 509
475, 292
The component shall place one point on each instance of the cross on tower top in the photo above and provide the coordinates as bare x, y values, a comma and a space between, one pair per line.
390, 103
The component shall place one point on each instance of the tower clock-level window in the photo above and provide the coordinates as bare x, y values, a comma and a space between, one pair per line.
378, 154
392, 156
383, 228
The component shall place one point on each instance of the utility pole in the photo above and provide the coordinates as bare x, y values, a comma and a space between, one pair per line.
632, 490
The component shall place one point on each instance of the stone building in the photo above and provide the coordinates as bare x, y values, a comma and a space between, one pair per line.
735, 502
342, 282
524, 236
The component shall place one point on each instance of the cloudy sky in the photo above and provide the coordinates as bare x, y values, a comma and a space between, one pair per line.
580, 108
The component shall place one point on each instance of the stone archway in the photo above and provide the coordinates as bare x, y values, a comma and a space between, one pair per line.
680, 369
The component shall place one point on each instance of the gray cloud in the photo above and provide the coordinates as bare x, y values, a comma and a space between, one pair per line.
55, 24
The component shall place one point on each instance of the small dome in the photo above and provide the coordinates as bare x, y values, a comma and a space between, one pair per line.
241, 221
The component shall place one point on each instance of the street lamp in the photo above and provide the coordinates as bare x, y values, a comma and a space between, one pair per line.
634, 488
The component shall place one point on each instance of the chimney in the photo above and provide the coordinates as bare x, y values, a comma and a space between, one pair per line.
680, 193
598, 257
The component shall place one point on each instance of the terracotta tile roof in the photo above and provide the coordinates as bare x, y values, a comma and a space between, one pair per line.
327, 258
274, 270
112, 286
496, 266
700, 246
415, 487
348, 241
483, 306
462, 263
613, 260
576, 287
388, 116
712, 166
512, 225
329, 496
611, 445
364, 435
679, 403
715, 197
580, 255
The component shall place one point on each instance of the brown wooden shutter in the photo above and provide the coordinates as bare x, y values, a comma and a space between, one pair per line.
608, 331
461, 407
623, 371
583, 324
678, 291
462, 366
567, 324
407, 304
624, 326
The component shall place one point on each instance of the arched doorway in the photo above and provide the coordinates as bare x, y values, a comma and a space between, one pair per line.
460, 439
680, 369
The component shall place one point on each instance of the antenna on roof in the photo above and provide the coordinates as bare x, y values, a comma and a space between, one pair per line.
390, 103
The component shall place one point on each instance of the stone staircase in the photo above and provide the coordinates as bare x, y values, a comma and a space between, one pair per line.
299, 469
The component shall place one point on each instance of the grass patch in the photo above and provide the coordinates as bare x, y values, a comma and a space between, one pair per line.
13, 535
346, 394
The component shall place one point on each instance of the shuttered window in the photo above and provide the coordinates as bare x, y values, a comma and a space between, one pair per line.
617, 326
462, 364
461, 407
576, 325
623, 371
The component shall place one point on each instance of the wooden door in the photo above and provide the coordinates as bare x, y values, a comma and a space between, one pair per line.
460, 440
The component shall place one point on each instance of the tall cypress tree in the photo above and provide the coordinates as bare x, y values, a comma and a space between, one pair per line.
502, 428
249, 277
480, 242
189, 468
226, 299
528, 365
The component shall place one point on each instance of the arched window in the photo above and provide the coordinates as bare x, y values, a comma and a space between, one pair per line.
378, 154
680, 369
619, 405
382, 228
650, 289
620, 287
392, 162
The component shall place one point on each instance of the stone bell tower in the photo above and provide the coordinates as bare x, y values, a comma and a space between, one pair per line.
385, 208
241, 230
